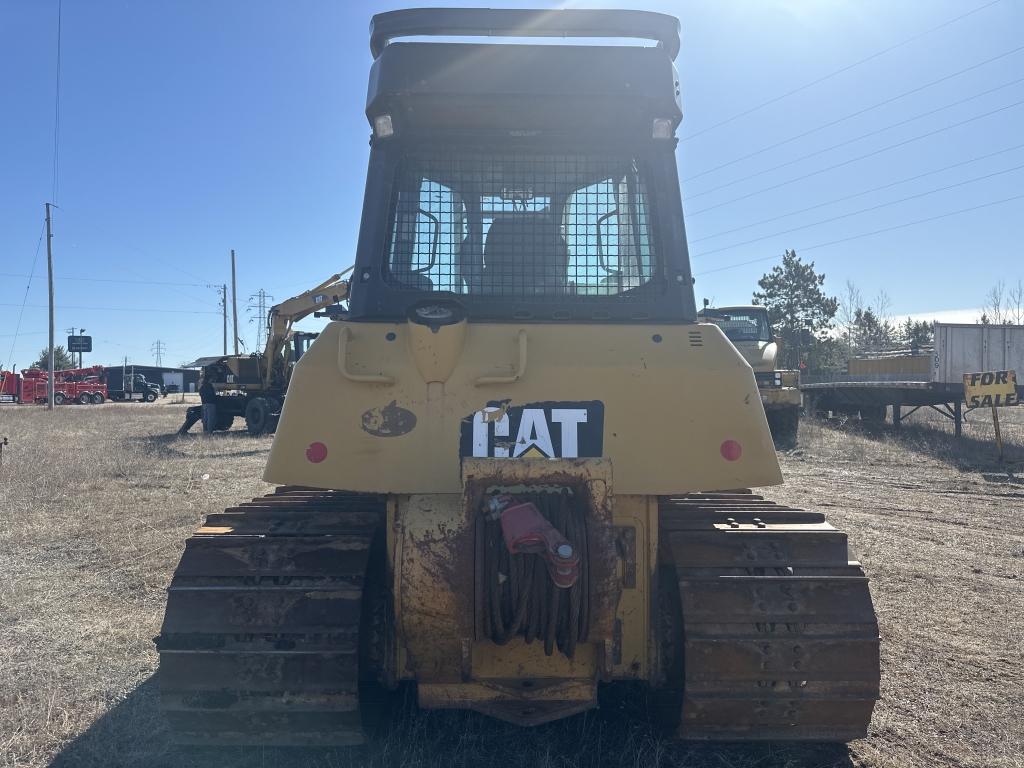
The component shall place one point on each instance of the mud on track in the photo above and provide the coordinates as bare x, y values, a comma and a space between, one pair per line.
96, 502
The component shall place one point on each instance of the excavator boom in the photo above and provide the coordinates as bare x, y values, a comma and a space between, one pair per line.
283, 316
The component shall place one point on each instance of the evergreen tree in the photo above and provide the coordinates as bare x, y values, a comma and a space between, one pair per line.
792, 292
870, 333
915, 334
61, 359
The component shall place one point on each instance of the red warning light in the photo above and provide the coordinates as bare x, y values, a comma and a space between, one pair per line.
731, 450
316, 452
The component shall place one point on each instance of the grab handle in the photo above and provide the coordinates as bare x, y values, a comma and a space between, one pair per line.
361, 378
520, 369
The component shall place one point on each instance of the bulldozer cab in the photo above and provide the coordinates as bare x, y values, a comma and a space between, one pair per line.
512, 182
741, 324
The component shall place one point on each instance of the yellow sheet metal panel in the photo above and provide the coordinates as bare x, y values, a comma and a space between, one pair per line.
636, 525
433, 573
781, 397
674, 407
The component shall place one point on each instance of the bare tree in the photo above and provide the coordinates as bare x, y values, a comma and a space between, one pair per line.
1015, 304
850, 303
883, 307
994, 304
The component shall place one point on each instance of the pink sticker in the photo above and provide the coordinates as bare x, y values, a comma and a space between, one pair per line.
317, 452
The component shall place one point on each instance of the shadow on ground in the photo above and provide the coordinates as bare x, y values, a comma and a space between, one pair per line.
967, 452
218, 443
617, 735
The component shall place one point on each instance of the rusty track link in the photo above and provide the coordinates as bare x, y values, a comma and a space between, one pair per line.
780, 636
260, 640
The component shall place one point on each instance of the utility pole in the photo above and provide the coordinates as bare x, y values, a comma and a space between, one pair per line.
158, 350
223, 289
234, 299
49, 271
224, 307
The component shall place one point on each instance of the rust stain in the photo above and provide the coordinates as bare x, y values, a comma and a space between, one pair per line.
390, 421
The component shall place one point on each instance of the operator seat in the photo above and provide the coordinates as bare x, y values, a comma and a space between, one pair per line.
525, 254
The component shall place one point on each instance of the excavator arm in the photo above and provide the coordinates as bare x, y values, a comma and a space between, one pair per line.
283, 316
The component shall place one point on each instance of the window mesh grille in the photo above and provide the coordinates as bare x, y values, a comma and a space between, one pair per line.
520, 226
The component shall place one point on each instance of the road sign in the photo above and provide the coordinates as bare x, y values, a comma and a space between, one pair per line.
79, 343
990, 388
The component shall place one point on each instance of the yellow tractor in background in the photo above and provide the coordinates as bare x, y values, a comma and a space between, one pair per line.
254, 386
508, 469
750, 331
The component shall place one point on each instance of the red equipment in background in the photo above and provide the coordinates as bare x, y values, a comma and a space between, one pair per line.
9, 386
76, 385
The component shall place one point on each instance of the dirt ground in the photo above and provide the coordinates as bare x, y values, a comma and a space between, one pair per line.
95, 503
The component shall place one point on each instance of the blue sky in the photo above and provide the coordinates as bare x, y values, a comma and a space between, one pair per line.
194, 127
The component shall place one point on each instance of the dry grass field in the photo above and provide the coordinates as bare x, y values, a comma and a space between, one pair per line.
95, 503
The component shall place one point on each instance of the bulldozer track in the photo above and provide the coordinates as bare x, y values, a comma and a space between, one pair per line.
780, 637
260, 640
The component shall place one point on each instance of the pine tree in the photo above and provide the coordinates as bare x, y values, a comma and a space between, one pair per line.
915, 334
61, 359
792, 292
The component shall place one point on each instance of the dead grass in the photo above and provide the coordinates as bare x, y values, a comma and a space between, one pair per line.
96, 502
94, 507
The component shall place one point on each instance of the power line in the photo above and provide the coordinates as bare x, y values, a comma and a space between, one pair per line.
835, 200
111, 280
151, 258
56, 111
867, 234
869, 134
859, 112
839, 71
28, 286
143, 310
857, 213
158, 350
903, 143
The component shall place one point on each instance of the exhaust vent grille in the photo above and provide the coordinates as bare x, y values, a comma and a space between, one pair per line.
696, 339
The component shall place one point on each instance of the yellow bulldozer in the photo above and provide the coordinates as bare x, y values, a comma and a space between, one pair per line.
514, 469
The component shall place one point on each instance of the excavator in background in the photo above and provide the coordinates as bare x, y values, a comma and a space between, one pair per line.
253, 386
747, 326
508, 470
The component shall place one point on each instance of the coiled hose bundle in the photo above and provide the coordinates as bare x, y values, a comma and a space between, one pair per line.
519, 597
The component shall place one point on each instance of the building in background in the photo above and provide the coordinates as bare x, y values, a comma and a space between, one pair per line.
170, 379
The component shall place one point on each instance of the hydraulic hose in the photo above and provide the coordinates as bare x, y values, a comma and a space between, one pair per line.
520, 598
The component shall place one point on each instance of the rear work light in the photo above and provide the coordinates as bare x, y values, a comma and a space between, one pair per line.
662, 128
382, 127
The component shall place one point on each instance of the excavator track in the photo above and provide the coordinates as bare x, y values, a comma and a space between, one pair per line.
260, 640
780, 639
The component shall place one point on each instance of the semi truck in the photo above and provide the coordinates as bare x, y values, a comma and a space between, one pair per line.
125, 385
